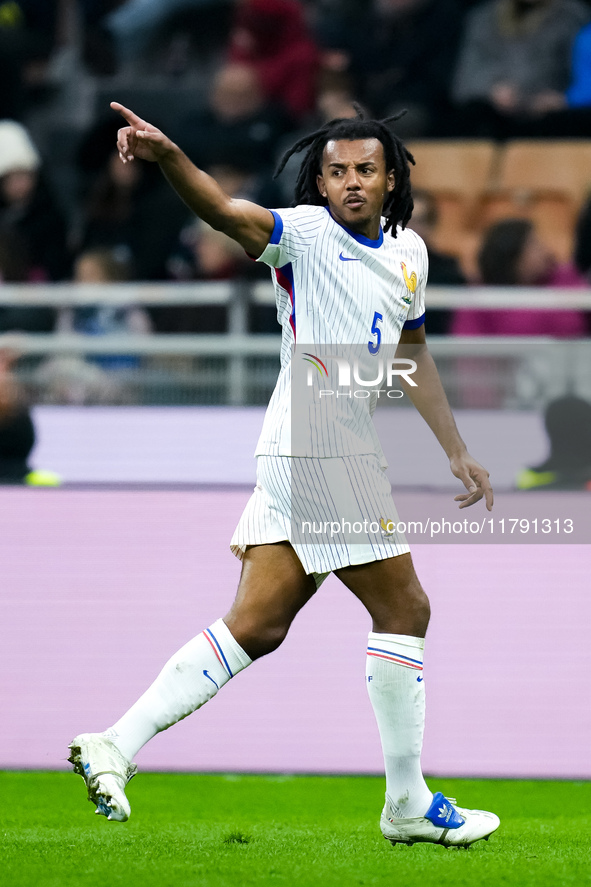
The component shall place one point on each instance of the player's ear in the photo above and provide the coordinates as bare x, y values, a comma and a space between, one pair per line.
390, 180
321, 186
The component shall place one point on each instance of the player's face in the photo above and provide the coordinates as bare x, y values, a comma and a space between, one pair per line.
355, 182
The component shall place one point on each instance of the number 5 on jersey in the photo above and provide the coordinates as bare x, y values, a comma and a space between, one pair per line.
374, 347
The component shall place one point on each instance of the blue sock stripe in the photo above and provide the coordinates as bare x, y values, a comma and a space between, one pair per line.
393, 653
221, 652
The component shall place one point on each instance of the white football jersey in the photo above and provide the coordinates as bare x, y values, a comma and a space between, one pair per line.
336, 287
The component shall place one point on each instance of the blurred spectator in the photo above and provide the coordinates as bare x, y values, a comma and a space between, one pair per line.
103, 266
583, 242
135, 24
14, 261
401, 54
26, 207
272, 37
98, 50
14, 268
332, 102
12, 93
568, 467
238, 179
239, 127
582, 252
128, 207
574, 120
17, 434
202, 254
512, 254
579, 91
444, 269
68, 379
206, 254
515, 65
29, 33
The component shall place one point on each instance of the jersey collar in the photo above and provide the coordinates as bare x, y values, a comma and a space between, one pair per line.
360, 238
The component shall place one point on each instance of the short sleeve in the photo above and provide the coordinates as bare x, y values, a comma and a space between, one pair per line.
294, 233
416, 314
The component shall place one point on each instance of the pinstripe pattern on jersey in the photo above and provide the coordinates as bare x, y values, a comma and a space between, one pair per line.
336, 303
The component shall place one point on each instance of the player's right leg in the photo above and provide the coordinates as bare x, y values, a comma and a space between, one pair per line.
392, 594
273, 588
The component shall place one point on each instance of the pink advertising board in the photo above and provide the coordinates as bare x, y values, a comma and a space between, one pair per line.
99, 587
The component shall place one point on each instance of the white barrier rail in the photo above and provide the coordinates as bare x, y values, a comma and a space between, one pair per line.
225, 292
559, 364
197, 345
519, 372
262, 345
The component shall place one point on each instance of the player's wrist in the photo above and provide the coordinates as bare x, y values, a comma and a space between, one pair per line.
457, 452
171, 157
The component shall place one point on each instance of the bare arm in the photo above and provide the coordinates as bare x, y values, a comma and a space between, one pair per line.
246, 222
430, 400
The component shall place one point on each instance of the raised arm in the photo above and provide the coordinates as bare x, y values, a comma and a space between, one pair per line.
430, 400
246, 222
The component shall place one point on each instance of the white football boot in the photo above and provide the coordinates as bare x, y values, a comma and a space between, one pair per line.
105, 771
444, 823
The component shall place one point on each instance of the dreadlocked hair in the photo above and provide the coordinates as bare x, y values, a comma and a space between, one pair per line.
398, 205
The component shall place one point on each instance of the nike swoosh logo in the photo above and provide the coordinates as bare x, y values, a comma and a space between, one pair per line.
347, 258
207, 675
419, 680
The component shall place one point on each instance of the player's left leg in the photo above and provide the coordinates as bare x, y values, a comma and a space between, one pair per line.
392, 594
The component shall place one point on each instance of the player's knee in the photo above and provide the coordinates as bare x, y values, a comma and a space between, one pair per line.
272, 636
258, 638
415, 609
422, 610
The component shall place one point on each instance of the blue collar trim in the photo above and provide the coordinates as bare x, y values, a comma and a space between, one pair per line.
366, 241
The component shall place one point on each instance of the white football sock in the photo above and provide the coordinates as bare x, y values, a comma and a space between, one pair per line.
397, 692
188, 680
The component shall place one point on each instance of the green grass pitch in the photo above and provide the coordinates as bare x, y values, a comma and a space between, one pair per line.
237, 831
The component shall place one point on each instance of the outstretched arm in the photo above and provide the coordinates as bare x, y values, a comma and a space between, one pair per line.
246, 222
430, 400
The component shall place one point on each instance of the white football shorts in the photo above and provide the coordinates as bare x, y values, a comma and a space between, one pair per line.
335, 512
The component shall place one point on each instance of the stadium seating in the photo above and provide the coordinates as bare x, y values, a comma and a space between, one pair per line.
458, 173
478, 182
546, 181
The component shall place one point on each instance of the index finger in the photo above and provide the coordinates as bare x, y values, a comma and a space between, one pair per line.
470, 498
131, 118
488, 496
477, 485
485, 485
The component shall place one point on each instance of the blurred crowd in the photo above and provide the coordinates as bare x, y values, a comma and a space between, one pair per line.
234, 83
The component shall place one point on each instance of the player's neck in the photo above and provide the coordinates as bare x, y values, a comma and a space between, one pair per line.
370, 229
